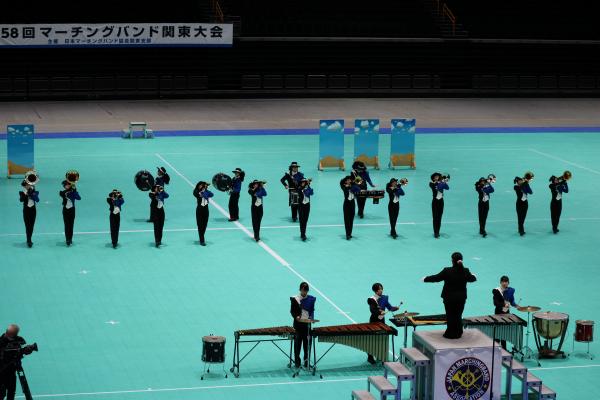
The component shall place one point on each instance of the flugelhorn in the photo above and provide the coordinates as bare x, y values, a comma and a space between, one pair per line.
72, 176
32, 178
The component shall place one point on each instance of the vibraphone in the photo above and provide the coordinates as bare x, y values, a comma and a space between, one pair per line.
419, 320
372, 338
282, 332
509, 327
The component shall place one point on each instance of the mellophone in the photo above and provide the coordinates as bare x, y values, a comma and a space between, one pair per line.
372, 338
282, 333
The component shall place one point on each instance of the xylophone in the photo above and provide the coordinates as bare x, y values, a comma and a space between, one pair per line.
372, 338
282, 332
508, 327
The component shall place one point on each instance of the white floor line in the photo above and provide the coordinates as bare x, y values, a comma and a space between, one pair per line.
296, 226
262, 244
250, 385
565, 161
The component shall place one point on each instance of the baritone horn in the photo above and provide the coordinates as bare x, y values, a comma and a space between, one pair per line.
72, 176
32, 178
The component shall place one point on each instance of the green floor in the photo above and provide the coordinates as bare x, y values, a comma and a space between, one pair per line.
127, 323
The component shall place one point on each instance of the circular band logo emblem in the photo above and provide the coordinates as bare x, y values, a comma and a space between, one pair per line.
467, 379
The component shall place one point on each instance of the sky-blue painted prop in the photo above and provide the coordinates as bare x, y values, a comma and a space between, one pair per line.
331, 143
402, 149
366, 141
19, 149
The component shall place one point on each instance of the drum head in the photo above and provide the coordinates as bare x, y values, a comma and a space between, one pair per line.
551, 315
144, 180
222, 182
584, 322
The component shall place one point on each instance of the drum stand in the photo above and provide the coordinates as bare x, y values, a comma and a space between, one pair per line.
590, 355
207, 370
527, 352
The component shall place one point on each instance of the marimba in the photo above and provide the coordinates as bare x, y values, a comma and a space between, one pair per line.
372, 338
281, 332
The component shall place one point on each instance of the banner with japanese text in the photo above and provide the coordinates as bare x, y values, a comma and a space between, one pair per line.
116, 35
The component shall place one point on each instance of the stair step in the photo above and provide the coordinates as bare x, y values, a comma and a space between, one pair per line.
518, 368
533, 380
506, 356
546, 392
417, 358
399, 371
382, 384
362, 395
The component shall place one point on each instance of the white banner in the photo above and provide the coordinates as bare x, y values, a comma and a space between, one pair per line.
117, 35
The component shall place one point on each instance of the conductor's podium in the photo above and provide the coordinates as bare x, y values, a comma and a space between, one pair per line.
459, 368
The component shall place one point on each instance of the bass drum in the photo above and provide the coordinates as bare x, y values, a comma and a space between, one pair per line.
222, 182
144, 180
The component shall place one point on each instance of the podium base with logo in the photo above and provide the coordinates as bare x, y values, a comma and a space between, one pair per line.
460, 369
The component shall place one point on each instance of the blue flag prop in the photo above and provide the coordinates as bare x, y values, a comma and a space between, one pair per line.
366, 141
402, 149
19, 149
331, 143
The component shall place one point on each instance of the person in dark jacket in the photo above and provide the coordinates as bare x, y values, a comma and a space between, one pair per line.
302, 310
454, 293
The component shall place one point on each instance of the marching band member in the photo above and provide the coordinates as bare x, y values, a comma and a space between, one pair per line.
69, 195
558, 186
157, 208
115, 203
162, 179
522, 189
202, 193
350, 190
504, 298
257, 191
291, 180
378, 304
234, 194
484, 187
394, 190
305, 192
302, 308
438, 184
29, 196
454, 293
359, 169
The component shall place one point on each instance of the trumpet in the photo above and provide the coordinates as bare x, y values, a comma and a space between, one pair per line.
403, 181
358, 180
115, 194
31, 178
445, 177
491, 178
72, 176
528, 176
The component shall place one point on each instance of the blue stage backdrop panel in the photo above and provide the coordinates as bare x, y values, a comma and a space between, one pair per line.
402, 149
331, 143
366, 141
19, 144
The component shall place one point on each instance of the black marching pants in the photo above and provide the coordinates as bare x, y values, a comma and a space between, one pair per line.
159, 222
555, 211
69, 220
483, 209
234, 209
522, 207
115, 223
201, 221
437, 210
257, 214
29, 214
301, 341
349, 210
393, 211
303, 213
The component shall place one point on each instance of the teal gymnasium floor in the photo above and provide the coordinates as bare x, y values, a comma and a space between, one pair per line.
127, 323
